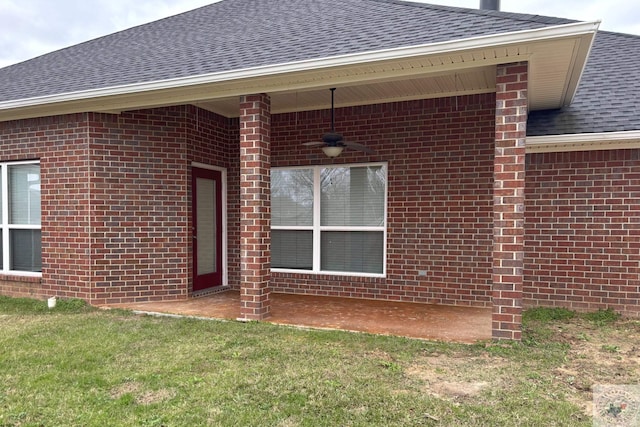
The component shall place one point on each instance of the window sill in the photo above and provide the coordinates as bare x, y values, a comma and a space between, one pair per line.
328, 273
21, 277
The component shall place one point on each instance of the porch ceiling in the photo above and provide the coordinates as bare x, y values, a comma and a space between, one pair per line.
556, 55
435, 85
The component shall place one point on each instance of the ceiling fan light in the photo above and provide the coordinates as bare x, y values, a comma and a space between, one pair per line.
332, 151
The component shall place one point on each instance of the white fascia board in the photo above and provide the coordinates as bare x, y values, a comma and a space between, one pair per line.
483, 42
578, 72
583, 142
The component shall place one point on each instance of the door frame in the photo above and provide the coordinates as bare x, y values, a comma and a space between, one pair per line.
223, 198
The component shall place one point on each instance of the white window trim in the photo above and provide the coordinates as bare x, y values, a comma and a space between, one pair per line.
317, 228
4, 220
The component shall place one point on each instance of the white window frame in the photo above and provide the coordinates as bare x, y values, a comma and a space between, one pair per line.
317, 228
4, 220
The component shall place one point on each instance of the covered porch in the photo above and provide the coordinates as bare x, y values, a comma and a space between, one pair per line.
182, 198
452, 197
412, 320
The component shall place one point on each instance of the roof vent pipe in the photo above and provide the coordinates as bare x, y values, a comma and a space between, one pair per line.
489, 4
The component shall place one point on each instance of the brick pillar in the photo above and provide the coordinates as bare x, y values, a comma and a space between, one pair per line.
508, 200
255, 206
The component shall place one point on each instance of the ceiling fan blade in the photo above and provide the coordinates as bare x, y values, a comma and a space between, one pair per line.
313, 143
359, 147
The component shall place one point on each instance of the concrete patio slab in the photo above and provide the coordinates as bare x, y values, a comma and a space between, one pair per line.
423, 321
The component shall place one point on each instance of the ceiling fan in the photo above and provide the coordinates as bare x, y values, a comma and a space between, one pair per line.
332, 142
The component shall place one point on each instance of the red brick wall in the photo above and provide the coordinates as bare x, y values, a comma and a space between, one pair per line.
141, 174
23, 287
233, 204
582, 247
60, 143
213, 140
440, 217
116, 206
139, 206
583, 230
119, 232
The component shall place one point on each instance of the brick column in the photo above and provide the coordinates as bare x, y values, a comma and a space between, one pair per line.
255, 207
508, 200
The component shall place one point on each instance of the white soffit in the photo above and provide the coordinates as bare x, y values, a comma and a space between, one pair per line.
557, 56
436, 85
583, 142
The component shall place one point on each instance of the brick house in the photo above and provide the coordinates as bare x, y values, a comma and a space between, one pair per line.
167, 161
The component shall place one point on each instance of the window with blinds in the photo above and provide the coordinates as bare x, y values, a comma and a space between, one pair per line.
329, 218
20, 231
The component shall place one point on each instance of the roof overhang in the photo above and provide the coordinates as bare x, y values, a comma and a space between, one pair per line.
557, 56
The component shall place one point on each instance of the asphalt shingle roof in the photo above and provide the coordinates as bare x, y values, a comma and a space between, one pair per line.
239, 34
607, 98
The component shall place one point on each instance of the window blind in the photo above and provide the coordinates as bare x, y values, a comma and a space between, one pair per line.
292, 249
352, 196
292, 197
24, 194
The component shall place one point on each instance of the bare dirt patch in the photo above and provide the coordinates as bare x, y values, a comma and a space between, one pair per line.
129, 387
156, 396
607, 354
459, 390
141, 396
593, 354
456, 378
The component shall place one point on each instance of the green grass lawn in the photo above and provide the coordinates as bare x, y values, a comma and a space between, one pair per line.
76, 366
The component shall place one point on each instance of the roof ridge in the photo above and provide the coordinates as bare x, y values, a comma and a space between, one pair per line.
494, 13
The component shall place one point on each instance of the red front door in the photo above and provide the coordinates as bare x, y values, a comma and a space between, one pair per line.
207, 228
